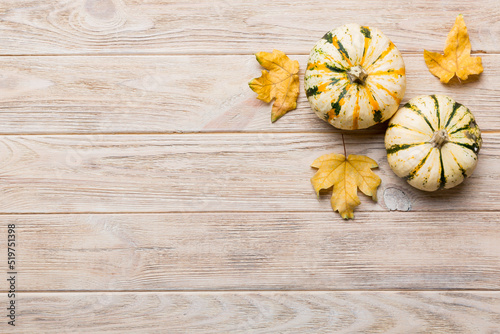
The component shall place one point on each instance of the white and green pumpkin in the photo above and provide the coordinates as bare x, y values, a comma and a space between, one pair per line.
433, 142
355, 77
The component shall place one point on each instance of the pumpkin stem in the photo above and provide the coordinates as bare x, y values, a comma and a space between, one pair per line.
439, 138
357, 74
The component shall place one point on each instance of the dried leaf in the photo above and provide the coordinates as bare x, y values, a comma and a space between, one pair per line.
456, 59
280, 83
345, 176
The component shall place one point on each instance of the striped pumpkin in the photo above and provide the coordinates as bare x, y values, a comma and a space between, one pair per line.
433, 142
355, 77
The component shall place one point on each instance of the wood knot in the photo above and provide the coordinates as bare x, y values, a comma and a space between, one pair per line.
396, 200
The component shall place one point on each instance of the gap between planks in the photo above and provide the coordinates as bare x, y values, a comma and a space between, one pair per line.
246, 291
211, 132
479, 52
218, 212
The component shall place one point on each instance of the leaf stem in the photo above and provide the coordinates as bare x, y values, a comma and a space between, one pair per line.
343, 143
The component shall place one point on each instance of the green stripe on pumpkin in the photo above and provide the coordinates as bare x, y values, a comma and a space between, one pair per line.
334, 68
336, 106
366, 32
471, 125
377, 116
312, 91
343, 51
329, 37
399, 147
462, 170
442, 178
384, 53
459, 121
395, 125
474, 147
436, 105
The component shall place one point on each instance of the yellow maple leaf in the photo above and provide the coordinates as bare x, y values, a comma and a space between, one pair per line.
456, 59
345, 176
280, 83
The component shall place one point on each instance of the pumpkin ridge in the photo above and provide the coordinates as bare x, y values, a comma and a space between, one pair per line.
343, 52
414, 171
317, 66
456, 106
322, 87
394, 96
337, 105
377, 98
474, 148
368, 37
462, 170
335, 69
400, 71
465, 127
436, 104
383, 54
329, 58
355, 112
420, 113
461, 118
442, 180
377, 114
394, 125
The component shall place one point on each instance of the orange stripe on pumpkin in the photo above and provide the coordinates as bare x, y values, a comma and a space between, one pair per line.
319, 66
335, 43
322, 87
365, 50
331, 113
401, 71
355, 112
383, 54
394, 96
372, 101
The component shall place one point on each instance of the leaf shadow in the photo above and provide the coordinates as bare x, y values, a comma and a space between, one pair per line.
456, 81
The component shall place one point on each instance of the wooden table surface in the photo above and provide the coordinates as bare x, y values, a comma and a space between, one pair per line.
152, 194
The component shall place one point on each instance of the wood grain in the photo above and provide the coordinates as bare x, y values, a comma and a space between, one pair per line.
152, 194
227, 27
184, 94
264, 312
255, 251
209, 172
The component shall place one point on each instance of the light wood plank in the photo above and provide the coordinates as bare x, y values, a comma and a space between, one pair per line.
264, 312
255, 251
210, 172
183, 94
227, 27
